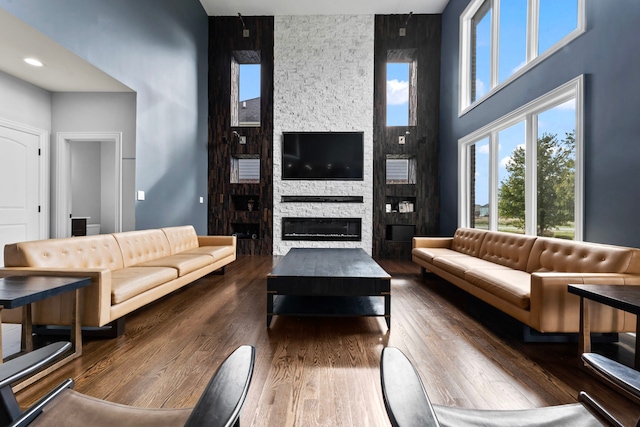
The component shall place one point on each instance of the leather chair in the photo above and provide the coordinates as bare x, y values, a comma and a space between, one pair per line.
408, 405
219, 405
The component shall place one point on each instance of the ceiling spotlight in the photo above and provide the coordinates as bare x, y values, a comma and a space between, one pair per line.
33, 61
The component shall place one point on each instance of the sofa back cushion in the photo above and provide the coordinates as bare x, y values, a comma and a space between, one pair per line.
142, 246
181, 239
468, 241
508, 249
560, 255
101, 251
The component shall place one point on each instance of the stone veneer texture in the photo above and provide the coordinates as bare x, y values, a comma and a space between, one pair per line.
323, 81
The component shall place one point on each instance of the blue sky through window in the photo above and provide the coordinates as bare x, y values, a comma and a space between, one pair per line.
249, 81
397, 94
557, 18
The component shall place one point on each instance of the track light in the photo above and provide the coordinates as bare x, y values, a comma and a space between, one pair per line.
403, 30
245, 31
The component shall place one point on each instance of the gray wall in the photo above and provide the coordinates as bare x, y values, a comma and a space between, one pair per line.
607, 55
159, 49
103, 112
24, 103
85, 180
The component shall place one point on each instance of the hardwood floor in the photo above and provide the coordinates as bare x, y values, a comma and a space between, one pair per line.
325, 371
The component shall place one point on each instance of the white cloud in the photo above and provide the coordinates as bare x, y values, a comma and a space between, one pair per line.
397, 92
482, 149
569, 105
517, 67
480, 89
506, 159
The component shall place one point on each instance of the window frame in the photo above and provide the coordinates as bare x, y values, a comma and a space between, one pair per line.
532, 58
528, 113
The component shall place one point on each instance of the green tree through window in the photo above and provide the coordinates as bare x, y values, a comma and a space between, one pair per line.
555, 184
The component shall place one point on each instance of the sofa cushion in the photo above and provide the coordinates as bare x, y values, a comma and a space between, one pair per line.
181, 238
184, 263
579, 257
129, 282
142, 246
101, 251
428, 254
217, 252
508, 249
513, 286
458, 265
468, 241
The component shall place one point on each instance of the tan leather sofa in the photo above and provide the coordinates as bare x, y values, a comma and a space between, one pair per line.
127, 270
527, 276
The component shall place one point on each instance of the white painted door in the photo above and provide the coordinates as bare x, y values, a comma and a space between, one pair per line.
19, 187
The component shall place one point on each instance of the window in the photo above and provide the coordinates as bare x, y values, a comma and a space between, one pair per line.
245, 88
523, 172
502, 39
401, 87
398, 94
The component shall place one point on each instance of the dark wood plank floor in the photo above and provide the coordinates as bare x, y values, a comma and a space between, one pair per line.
325, 371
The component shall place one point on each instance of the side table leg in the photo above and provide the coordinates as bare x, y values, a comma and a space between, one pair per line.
584, 338
637, 355
26, 342
76, 327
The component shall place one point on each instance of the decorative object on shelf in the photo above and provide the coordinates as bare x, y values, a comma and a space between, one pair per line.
250, 205
388, 207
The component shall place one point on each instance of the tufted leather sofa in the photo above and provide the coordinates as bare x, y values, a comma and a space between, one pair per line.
527, 276
128, 270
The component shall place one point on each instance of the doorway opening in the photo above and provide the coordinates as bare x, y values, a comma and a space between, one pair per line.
87, 181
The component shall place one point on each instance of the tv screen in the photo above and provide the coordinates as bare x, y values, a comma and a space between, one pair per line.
323, 155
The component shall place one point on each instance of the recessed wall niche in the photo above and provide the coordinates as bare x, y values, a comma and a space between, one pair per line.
245, 169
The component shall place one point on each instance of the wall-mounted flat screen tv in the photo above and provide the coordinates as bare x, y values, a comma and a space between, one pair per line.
335, 156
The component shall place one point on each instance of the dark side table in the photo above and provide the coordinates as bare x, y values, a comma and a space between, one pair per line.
21, 291
622, 297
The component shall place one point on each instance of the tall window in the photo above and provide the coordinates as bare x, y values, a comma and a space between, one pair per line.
523, 172
398, 94
245, 88
502, 39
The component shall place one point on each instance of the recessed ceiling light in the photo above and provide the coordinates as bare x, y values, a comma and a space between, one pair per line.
33, 61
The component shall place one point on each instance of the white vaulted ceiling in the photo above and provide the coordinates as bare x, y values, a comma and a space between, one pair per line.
322, 7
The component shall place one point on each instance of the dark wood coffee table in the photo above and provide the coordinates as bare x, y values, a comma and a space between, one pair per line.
623, 297
328, 282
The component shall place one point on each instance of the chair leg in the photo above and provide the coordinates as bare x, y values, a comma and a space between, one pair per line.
9, 408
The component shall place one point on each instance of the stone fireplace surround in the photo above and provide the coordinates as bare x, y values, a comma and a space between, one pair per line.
325, 84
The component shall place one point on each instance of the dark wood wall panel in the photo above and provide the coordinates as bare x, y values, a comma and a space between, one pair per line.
422, 42
228, 213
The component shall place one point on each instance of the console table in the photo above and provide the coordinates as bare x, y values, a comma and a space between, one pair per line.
21, 291
623, 297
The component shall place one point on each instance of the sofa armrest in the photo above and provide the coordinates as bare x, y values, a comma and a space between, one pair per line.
217, 241
553, 308
95, 299
432, 242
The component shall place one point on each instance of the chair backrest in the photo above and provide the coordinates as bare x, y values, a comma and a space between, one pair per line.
222, 400
403, 392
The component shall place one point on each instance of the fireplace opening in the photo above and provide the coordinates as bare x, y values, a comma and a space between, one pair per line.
322, 229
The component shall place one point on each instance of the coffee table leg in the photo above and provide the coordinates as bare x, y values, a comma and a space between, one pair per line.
387, 309
270, 297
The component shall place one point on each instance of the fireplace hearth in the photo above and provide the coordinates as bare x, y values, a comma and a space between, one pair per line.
322, 229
